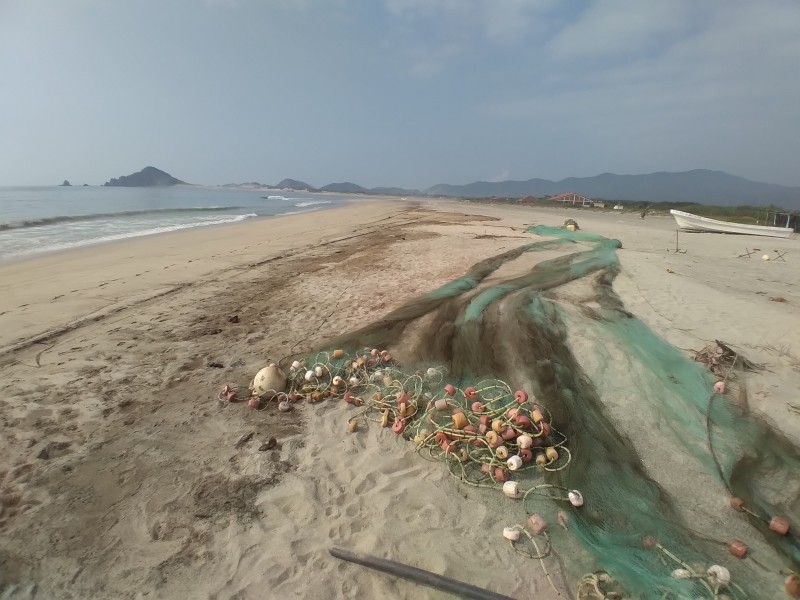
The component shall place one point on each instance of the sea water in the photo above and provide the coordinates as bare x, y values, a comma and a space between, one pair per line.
45, 219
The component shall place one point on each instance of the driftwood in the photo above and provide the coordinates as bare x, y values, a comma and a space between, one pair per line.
723, 361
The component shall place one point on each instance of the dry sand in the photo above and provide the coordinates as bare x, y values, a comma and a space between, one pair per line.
122, 477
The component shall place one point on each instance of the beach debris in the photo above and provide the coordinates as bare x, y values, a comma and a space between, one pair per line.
777, 299
765, 257
215, 365
669, 270
244, 439
52, 449
268, 382
233, 319
721, 360
268, 445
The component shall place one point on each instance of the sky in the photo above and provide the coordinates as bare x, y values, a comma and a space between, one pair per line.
406, 93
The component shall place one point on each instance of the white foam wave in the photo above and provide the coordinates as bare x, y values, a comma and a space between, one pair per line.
310, 203
223, 220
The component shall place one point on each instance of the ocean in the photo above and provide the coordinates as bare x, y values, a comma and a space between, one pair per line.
34, 220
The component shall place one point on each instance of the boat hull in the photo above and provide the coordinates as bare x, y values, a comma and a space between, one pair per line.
689, 222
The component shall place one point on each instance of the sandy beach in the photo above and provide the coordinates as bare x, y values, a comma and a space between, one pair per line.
124, 476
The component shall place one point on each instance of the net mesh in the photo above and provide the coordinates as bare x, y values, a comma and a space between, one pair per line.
462, 342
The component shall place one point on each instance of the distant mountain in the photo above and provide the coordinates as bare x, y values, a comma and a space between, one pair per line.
294, 184
344, 188
147, 177
702, 186
394, 191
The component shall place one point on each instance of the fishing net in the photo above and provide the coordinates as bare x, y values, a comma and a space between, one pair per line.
491, 384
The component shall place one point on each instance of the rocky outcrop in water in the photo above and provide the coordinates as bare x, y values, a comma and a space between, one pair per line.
147, 177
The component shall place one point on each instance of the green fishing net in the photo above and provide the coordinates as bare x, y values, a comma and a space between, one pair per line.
490, 359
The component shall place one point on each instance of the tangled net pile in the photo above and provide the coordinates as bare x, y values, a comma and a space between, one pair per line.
484, 330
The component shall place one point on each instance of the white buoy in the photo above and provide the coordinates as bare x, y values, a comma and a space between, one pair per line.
575, 498
511, 489
514, 462
296, 365
268, 381
511, 533
718, 575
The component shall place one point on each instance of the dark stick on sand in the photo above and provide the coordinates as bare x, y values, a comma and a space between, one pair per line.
458, 588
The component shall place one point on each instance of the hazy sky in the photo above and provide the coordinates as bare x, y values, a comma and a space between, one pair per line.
397, 92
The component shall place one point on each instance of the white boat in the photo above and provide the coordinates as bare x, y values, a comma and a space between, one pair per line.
690, 222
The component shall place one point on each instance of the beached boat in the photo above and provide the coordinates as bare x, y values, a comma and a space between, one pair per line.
690, 222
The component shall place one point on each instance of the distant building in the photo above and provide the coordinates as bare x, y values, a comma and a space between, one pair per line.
572, 198
599, 204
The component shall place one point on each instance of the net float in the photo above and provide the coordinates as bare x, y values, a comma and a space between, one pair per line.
387, 357
498, 426
509, 434
541, 459
337, 354
372, 362
352, 426
477, 407
500, 474
526, 455
337, 381
318, 371
575, 498
511, 489
431, 372
537, 416
285, 406
348, 397
521, 396
374, 352
383, 353
316, 396
537, 524
387, 381
459, 420
440, 437
354, 365
524, 441
227, 394
353, 380
377, 396
779, 525
718, 575
492, 439
485, 468
404, 397
545, 427
254, 402
511, 533
441, 404
523, 422
719, 387
399, 426
471, 393
482, 429
462, 455
484, 420
738, 548
334, 391
309, 375
385, 418
296, 365
538, 441
681, 574
450, 390
501, 452
269, 381
552, 454
649, 542
420, 438
402, 409
514, 462
470, 429
737, 504
792, 586
512, 412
